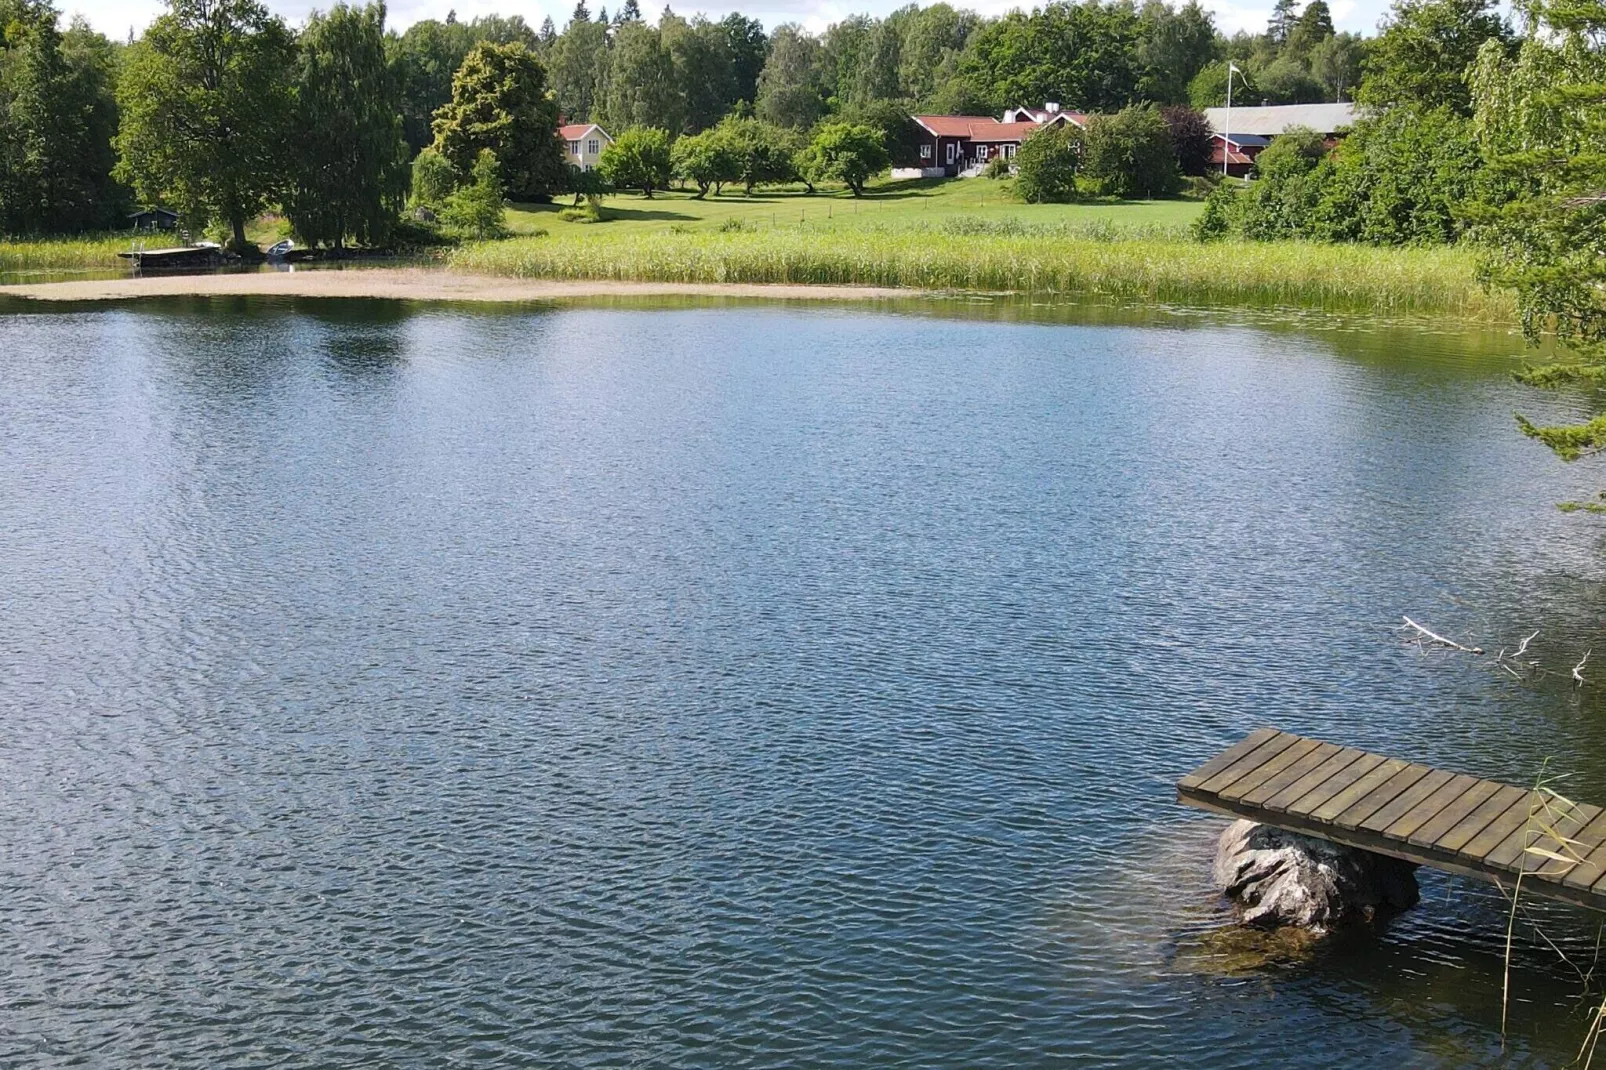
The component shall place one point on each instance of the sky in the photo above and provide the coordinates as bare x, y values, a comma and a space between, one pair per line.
116, 18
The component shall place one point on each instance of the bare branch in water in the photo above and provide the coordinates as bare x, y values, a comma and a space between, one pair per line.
1439, 639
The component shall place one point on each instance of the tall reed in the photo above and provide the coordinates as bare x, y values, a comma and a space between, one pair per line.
1016, 258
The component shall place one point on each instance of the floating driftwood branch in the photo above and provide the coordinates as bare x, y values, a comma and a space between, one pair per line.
1441, 640
1578, 670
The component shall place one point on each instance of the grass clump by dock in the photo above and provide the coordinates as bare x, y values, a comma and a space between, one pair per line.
97, 251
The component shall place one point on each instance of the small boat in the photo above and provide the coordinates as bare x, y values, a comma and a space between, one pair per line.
281, 250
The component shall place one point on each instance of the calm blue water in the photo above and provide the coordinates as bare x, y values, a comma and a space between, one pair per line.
747, 686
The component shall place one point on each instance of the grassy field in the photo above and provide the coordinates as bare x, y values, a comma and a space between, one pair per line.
968, 235
889, 205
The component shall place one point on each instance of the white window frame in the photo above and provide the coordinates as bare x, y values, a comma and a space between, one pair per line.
981, 153
925, 152
574, 148
594, 146
951, 151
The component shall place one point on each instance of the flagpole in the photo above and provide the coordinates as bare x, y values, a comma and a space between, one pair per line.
1226, 135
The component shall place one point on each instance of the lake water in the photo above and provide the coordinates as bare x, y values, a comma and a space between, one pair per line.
749, 686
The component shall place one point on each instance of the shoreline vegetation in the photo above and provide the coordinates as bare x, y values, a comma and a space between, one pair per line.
955, 236
1348, 278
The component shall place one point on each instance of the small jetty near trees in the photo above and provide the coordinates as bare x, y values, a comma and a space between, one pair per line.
1408, 811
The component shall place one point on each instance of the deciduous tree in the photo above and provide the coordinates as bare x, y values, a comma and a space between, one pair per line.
1047, 163
500, 102
206, 105
351, 174
842, 152
638, 159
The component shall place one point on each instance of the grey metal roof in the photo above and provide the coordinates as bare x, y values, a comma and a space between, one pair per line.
1271, 120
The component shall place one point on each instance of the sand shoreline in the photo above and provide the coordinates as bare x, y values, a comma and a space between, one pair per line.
422, 284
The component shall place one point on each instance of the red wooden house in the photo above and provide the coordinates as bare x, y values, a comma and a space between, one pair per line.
950, 145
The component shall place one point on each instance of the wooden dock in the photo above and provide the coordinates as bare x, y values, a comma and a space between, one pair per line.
1461, 824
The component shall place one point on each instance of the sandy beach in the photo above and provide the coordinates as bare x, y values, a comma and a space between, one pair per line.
419, 284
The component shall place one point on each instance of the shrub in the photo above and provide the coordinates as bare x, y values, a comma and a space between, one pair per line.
475, 211
1047, 163
638, 159
1129, 154
997, 167
434, 178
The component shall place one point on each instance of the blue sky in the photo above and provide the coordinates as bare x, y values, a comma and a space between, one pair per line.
116, 18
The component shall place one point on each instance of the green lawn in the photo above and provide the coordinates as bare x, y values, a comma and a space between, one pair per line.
888, 205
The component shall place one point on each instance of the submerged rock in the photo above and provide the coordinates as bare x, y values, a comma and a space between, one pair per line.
1276, 877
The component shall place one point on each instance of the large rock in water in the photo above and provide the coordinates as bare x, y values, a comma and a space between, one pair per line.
1277, 877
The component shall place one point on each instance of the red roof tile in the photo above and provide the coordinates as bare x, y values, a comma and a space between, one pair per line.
576, 131
955, 125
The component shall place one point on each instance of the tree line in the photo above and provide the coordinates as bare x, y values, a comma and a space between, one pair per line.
220, 109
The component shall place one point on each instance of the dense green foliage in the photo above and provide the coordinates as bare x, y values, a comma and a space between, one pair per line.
206, 111
1422, 56
1129, 154
57, 119
846, 153
1541, 123
500, 102
1047, 164
1405, 177
434, 178
707, 159
351, 173
476, 209
639, 158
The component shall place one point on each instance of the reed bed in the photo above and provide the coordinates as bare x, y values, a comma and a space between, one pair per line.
82, 251
1017, 258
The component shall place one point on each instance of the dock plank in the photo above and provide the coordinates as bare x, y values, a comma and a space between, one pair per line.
1405, 801
1318, 776
1227, 757
1383, 794
1296, 771
1430, 807
1433, 817
1249, 763
1272, 768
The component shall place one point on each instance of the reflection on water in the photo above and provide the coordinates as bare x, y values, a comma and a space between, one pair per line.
748, 685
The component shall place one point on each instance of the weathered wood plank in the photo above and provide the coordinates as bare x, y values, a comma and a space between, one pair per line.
1553, 819
1386, 792
1343, 800
1306, 762
1503, 799
1583, 875
1428, 833
1318, 776
1496, 831
1272, 768
1336, 783
1227, 757
1430, 807
1249, 763
1401, 804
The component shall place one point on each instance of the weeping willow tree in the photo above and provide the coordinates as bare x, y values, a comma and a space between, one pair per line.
1541, 121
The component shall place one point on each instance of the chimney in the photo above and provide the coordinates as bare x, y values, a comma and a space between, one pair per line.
1051, 107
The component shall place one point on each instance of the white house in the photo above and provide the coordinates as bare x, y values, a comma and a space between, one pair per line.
583, 143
